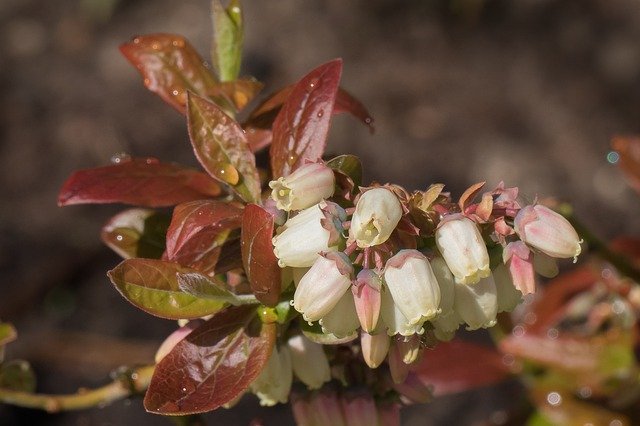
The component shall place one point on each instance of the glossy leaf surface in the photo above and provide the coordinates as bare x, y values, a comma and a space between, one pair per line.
137, 233
301, 127
153, 286
144, 182
213, 365
222, 149
260, 263
198, 230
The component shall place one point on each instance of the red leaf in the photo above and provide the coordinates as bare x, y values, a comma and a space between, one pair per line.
170, 67
143, 182
629, 150
198, 230
222, 148
260, 263
212, 365
345, 102
457, 366
301, 127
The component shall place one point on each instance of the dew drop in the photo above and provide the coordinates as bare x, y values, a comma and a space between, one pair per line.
175, 92
119, 237
229, 174
120, 157
554, 398
368, 120
615, 422
203, 132
613, 157
155, 46
320, 113
136, 40
178, 43
134, 376
146, 82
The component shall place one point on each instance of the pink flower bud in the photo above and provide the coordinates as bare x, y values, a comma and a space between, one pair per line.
413, 286
309, 362
316, 229
547, 231
274, 382
377, 214
327, 409
477, 304
374, 348
397, 367
458, 239
306, 186
342, 320
519, 260
508, 295
323, 285
359, 410
367, 297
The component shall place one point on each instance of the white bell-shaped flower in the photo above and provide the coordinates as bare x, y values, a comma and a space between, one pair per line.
547, 231
307, 185
322, 287
412, 285
377, 214
316, 229
309, 361
458, 239
508, 295
477, 304
342, 320
273, 385
393, 319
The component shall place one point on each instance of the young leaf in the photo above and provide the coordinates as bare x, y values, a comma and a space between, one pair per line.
263, 116
17, 375
457, 366
222, 149
198, 230
212, 365
301, 127
348, 165
226, 51
153, 286
144, 181
137, 233
260, 263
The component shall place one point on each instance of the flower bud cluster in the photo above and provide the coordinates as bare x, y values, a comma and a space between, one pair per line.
396, 269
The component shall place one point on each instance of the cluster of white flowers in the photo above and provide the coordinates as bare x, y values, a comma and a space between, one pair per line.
353, 276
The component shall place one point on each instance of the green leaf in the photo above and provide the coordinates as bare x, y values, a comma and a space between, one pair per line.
260, 263
314, 333
137, 233
17, 375
222, 148
226, 51
8, 333
349, 165
202, 287
213, 365
153, 286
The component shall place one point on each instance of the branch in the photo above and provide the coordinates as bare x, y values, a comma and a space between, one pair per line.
134, 381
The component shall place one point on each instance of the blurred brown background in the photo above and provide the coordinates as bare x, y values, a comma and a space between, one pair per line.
527, 91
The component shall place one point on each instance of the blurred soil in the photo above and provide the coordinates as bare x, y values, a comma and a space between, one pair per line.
528, 92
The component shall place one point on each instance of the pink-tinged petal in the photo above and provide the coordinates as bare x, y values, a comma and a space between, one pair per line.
519, 260
367, 297
374, 348
547, 231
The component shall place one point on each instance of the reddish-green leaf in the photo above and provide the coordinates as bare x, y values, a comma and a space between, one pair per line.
263, 116
198, 230
137, 233
213, 365
260, 263
629, 150
457, 366
145, 182
222, 148
153, 286
301, 127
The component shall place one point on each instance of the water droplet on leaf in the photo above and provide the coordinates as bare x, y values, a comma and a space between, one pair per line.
119, 158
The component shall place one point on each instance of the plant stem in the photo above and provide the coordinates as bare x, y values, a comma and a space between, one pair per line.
134, 382
246, 299
595, 244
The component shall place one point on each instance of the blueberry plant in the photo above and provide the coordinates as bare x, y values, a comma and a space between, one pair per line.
301, 283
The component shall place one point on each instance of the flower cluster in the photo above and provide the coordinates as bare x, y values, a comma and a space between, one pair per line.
396, 268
